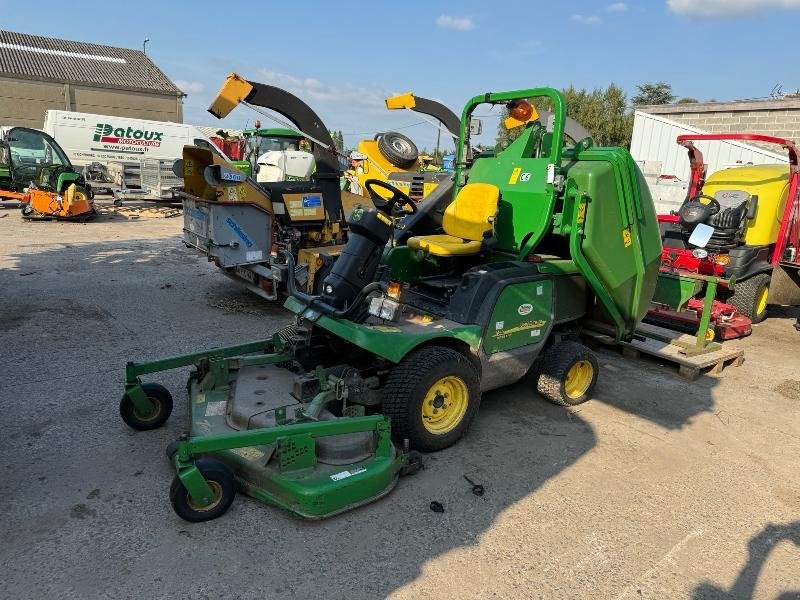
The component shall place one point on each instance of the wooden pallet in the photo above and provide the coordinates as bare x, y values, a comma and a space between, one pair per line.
689, 366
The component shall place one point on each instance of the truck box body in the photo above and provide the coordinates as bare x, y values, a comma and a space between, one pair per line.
88, 138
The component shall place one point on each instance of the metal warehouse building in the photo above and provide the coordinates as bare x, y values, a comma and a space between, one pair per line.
40, 73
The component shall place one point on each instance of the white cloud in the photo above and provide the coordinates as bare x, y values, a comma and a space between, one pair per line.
617, 7
458, 23
726, 8
190, 87
313, 90
586, 19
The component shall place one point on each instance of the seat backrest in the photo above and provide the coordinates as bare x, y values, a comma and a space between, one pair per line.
733, 208
470, 215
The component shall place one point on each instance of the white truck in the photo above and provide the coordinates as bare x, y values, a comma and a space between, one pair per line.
117, 150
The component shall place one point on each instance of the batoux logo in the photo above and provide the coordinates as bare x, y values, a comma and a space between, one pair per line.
107, 133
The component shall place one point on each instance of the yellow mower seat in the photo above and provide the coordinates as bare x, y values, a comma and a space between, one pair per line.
467, 221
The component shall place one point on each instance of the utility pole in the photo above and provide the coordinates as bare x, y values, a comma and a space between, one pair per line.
438, 138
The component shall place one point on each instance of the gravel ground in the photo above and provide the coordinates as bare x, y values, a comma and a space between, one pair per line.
657, 488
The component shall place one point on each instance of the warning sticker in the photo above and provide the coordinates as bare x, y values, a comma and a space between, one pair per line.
345, 474
626, 237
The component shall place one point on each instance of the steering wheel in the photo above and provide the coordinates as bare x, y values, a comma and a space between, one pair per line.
394, 206
713, 204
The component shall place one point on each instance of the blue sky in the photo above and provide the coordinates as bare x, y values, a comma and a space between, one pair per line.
344, 57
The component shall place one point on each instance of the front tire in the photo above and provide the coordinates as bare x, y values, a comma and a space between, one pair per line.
162, 403
568, 373
222, 483
751, 296
432, 397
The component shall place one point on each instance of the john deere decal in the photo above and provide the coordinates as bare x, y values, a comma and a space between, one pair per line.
108, 134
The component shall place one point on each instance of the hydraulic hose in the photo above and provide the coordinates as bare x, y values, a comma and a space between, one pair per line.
316, 302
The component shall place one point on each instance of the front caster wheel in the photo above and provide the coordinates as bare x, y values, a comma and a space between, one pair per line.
162, 408
223, 486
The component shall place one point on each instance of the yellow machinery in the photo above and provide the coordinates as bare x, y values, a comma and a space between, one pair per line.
242, 225
394, 158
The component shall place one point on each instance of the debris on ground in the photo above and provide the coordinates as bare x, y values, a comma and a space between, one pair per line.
437, 507
789, 388
133, 212
477, 488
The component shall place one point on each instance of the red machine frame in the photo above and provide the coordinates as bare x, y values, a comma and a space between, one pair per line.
728, 323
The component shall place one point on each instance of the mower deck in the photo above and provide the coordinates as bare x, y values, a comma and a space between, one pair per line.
295, 455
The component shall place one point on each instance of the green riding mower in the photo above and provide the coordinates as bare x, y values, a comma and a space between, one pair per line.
391, 358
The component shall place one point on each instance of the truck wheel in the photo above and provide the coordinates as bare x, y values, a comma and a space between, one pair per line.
398, 149
431, 398
567, 374
161, 399
221, 481
751, 296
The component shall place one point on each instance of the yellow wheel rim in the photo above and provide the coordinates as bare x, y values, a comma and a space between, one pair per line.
761, 302
445, 405
216, 490
578, 379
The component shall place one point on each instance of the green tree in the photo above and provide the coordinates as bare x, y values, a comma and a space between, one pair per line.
654, 93
687, 101
603, 112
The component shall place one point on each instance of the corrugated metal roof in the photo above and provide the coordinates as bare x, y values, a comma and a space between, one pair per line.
50, 59
655, 140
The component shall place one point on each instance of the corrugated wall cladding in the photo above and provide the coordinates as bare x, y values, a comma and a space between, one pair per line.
654, 140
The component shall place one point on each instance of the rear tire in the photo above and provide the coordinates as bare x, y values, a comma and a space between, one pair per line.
221, 481
750, 297
398, 149
567, 374
432, 397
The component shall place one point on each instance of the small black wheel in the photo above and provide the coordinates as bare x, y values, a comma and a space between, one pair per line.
162, 401
432, 397
751, 297
222, 483
172, 449
567, 373
117, 202
26, 209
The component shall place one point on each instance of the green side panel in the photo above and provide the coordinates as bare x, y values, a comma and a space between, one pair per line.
619, 244
675, 291
393, 341
520, 316
526, 199
5, 173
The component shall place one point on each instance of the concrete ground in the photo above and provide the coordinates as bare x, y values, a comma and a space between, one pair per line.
656, 488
